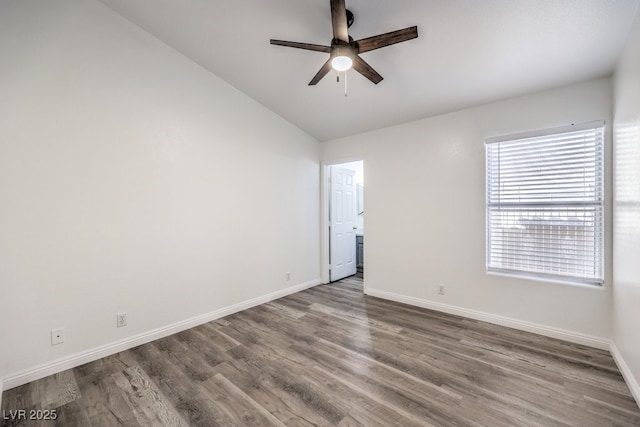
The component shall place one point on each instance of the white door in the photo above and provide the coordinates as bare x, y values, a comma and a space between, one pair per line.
343, 223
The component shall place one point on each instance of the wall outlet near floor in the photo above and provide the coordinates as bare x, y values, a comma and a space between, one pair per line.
121, 319
57, 336
288, 276
440, 289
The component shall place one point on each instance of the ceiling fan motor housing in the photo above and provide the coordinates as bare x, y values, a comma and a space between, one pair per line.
342, 49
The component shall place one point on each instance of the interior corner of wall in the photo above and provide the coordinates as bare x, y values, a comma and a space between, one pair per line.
627, 374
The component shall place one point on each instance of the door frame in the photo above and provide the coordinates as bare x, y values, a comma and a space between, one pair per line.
325, 191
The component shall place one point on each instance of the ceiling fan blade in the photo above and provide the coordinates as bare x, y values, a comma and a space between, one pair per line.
305, 46
366, 70
339, 20
386, 39
323, 72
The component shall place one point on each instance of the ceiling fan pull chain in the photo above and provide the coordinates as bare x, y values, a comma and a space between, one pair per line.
345, 84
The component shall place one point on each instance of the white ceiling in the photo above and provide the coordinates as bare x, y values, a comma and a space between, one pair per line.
468, 52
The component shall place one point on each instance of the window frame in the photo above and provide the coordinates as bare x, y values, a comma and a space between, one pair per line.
599, 205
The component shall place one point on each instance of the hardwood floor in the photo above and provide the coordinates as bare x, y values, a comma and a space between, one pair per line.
332, 356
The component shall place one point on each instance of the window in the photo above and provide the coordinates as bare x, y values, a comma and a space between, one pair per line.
545, 204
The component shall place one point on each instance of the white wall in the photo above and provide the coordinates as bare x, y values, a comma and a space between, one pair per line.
133, 180
425, 207
626, 249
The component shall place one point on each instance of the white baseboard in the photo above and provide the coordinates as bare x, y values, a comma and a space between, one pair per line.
574, 337
68, 362
631, 381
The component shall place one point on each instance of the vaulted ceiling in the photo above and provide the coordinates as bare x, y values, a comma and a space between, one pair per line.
468, 52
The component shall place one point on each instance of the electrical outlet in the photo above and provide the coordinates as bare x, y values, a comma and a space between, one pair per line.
288, 276
121, 320
57, 336
440, 289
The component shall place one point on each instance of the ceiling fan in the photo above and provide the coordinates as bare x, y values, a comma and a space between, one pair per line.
344, 51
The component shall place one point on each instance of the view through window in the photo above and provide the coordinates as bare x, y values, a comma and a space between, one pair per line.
545, 204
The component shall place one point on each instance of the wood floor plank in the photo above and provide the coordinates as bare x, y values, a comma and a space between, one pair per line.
147, 402
187, 358
317, 405
397, 390
74, 413
184, 395
105, 404
331, 356
58, 390
240, 407
289, 410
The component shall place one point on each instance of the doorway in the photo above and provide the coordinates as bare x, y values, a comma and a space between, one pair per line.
343, 220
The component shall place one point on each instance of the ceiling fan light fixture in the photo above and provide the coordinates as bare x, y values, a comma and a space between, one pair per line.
341, 63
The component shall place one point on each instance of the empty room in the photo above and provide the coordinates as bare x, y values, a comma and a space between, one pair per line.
322, 212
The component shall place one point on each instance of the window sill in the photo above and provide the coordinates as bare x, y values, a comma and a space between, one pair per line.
598, 287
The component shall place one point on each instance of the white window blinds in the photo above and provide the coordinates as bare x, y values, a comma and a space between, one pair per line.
545, 204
